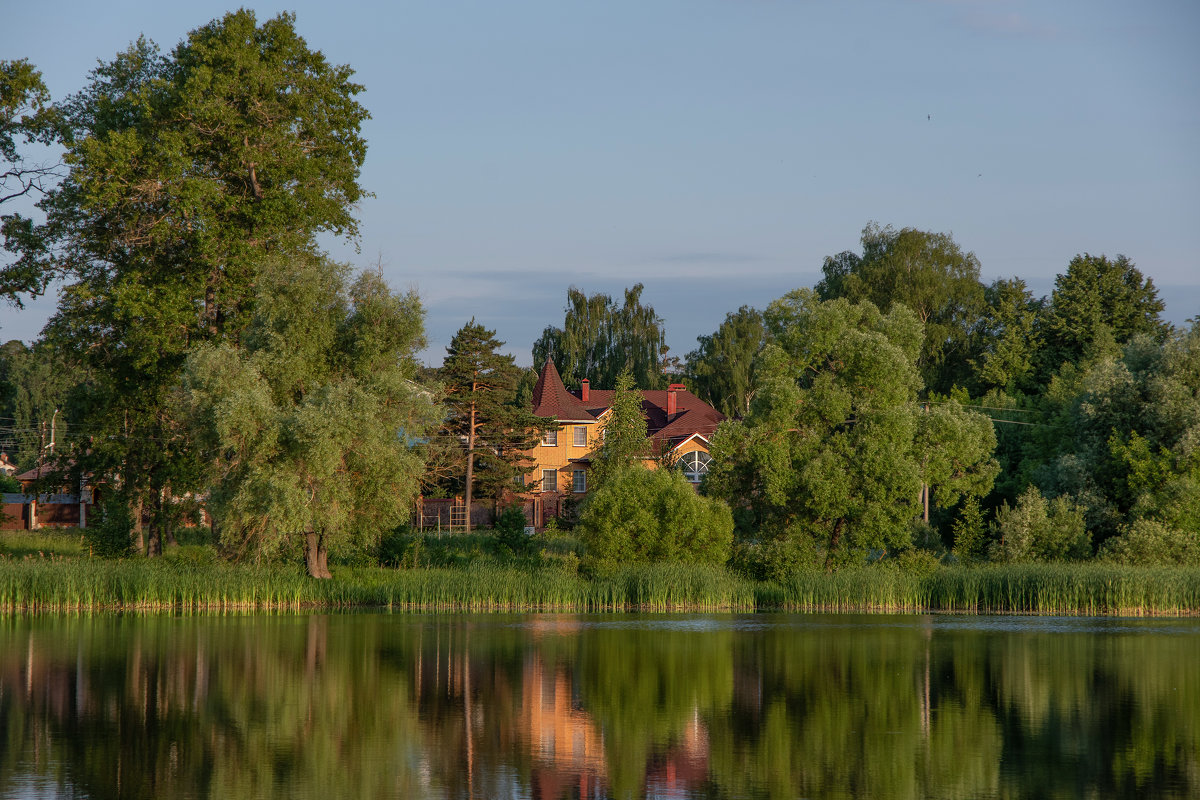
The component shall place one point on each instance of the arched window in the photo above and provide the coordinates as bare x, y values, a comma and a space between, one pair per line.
695, 465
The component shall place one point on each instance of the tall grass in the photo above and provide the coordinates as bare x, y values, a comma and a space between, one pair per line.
76, 585
81, 584
1088, 589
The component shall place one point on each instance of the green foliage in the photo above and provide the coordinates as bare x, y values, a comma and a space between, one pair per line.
1006, 340
110, 536
969, 532
720, 370
777, 558
9, 484
955, 446
315, 419
1098, 303
188, 174
624, 442
34, 382
26, 116
1039, 530
483, 415
599, 340
927, 272
642, 514
835, 446
1150, 542
916, 561
510, 530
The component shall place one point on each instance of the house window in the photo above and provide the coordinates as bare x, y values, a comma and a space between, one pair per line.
579, 481
581, 436
549, 480
551, 438
695, 465
519, 479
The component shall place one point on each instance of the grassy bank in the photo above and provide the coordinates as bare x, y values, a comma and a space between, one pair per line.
57, 583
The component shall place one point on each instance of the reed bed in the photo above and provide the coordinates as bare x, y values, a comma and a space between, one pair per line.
85, 585
76, 585
1083, 589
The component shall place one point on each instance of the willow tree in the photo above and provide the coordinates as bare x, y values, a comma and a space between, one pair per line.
830, 457
312, 425
600, 339
929, 273
720, 370
186, 173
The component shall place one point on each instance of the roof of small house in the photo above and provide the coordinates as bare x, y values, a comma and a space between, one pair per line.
692, 415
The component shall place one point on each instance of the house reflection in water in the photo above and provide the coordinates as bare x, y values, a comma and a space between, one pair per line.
567, 745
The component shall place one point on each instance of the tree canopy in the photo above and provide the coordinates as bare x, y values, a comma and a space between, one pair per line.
600, 339
929, 273
312, 425
186, 175
485, 419
719, 371
830, 455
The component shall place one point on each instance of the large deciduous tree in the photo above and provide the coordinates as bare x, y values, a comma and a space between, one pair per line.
600, 339
830, 457
187, 173
1098, 303
494, 431
27, 117
719, 371
1006, 340
312, 426
929, 273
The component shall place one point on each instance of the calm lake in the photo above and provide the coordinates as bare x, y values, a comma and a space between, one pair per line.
550, 706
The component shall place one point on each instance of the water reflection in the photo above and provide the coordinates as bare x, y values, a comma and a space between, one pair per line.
375, 705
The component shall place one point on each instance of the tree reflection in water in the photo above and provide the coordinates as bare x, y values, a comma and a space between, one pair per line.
377, 705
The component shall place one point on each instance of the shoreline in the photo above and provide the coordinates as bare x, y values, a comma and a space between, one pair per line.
65, 585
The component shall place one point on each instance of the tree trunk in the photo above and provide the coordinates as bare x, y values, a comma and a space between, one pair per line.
316, 555
834, 541
154, 542
157, 518
470, 463
139, 535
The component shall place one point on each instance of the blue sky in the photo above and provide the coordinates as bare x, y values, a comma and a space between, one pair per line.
718, 150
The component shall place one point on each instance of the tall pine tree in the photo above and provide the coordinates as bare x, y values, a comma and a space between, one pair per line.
483, 415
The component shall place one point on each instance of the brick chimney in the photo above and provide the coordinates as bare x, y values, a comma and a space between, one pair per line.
585, 387
671, 398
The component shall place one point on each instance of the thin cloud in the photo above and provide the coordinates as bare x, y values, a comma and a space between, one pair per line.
712, 257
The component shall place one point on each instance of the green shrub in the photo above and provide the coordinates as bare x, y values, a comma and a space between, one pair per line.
399, 547
641, 515
1039, 530
1150, 542
969, 532
778, 559
510, 531
111, 536
916, 562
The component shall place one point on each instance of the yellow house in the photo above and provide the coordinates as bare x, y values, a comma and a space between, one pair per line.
678, 424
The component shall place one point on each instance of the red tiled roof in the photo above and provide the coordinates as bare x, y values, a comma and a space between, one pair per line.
692, 415
551, 398
37, 472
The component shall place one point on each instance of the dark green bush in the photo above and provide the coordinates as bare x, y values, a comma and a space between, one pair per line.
510, 531
111, 536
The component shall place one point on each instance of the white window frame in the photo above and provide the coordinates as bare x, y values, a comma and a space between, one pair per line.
580, 433
579, 481
549, 480
550, 438
694, 465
